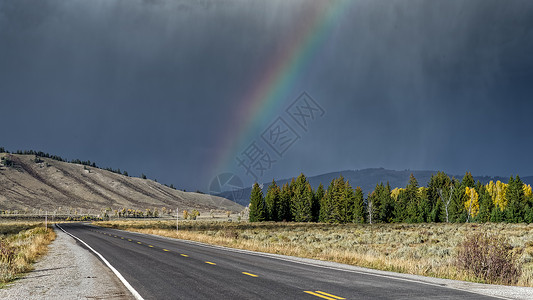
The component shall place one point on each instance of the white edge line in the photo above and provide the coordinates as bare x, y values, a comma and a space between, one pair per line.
117, 273
297, 260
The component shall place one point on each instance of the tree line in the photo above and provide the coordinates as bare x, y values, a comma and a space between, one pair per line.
444, 199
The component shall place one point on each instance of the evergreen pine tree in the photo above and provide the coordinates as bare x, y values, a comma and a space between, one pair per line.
272, 200
386, 209
317, 199
516, 204
486, 205
257, 205
438, 213
374, 203
528, 218
457, 210
438, 183
284, 210
326, 205
309, 197
302, 200
349, 199
413, 200
358, 211
425, 206
340, 205
497, 215
400, 208
292, 186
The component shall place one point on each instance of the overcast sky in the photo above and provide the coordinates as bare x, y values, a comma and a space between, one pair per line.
152, 86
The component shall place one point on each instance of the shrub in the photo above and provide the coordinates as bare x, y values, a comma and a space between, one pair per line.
7, 253
488, 257
194, 214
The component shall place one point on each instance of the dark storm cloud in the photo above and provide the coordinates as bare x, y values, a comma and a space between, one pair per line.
148, 85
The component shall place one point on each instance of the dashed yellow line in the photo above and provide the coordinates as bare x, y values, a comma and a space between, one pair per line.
121, 238
250, 274
139, 243
330, 295
150, 246
165, 250
318, 295
129, 240
210, 263
184, 255
324, 295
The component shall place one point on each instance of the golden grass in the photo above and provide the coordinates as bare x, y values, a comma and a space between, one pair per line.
21, 244
423, 249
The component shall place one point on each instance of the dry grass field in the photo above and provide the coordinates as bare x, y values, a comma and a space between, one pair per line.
21, 244
423, 249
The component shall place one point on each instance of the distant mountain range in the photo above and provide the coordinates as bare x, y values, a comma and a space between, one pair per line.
366, 179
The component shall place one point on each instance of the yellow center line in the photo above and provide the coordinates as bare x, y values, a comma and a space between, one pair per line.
165, 250
210, 263
139, 243
330, 295
150, 246
129, 240
184, 255
115, 236
121, 238
249, 274
318, 295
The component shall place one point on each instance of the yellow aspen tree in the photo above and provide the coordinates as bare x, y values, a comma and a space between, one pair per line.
395, 192
527, 191
422, 190
491, 189
501, 189
472, 203
497, 193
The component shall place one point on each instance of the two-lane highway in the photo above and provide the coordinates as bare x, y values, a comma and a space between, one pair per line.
161, 268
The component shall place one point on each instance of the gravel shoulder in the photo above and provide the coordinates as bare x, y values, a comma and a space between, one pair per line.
68, 271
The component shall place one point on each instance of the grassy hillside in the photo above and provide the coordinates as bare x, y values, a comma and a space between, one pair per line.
28, 183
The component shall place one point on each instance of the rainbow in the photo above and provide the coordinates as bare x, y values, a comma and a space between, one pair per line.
272, 87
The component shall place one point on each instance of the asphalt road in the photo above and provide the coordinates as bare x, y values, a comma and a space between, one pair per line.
160, 268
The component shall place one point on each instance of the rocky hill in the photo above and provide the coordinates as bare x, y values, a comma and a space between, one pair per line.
29, 183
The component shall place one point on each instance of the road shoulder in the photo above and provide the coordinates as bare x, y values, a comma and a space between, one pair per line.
67, 271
